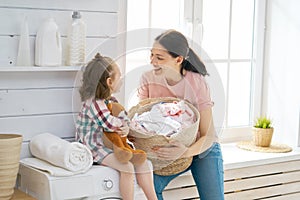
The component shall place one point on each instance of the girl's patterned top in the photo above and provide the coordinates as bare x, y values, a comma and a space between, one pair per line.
93, 119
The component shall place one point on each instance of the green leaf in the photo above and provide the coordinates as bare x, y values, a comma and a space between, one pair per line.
262, 122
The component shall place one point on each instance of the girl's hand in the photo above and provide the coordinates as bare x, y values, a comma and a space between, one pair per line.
175, 151
123, 132
131, 138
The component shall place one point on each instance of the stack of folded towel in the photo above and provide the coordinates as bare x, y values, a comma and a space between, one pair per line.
58, 156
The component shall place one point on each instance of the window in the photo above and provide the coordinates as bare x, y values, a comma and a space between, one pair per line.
228, 35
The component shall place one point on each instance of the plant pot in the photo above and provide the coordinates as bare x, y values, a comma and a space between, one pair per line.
262, 137
10, 149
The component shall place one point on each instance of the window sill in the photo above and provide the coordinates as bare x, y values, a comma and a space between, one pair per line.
235, 157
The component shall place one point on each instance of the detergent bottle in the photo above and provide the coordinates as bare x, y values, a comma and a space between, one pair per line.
48, 48
76, 42
24, 58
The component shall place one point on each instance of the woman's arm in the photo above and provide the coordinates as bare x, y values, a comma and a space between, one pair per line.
178, 150
207, 134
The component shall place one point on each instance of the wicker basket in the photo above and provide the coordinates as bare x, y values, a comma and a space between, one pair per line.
262, 137
10, 149
146, 142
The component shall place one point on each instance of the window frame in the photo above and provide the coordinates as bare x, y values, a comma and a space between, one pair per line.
233, 134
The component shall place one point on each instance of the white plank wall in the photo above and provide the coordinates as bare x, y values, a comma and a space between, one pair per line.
279, 180
102, 24
107, 46
33, 102
37, 101
92, 5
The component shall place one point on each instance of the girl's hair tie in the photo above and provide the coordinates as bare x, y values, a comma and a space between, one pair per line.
98, 56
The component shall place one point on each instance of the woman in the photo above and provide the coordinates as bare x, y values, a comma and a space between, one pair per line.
178, 72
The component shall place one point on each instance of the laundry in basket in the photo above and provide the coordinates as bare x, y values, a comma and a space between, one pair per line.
146, 141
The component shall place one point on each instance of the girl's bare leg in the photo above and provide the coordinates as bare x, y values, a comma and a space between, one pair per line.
144, 178
126, 175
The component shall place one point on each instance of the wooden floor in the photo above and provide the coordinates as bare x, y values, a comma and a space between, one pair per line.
19, 195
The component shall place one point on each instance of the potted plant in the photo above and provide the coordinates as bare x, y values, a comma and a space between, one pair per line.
262, 131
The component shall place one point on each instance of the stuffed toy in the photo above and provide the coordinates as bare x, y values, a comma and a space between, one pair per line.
122, 150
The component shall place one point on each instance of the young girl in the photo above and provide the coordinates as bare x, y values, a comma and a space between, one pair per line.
101, 78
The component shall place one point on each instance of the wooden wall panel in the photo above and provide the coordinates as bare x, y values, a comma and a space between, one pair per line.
100, 16
34, 102
261, 170
8, 56
96, 22
91, 5
38, 101
277, 180
294, 196
265, 192
61, 125
261, 181
39, 79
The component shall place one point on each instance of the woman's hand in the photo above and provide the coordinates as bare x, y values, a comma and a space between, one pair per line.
173, 152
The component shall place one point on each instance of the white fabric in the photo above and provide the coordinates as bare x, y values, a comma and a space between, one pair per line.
72, 156
164, 118
47, 167
154, 123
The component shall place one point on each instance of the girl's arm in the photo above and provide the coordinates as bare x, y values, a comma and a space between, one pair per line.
103, 117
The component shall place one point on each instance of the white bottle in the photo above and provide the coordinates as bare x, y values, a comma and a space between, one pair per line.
23, 58
76, 41
48, 48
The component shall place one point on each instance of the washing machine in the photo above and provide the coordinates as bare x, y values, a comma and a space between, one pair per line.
98, 183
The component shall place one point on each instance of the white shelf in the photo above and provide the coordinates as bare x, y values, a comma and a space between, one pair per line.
39, 69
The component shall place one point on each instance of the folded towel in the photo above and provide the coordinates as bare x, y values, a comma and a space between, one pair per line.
47, 167
72, 156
